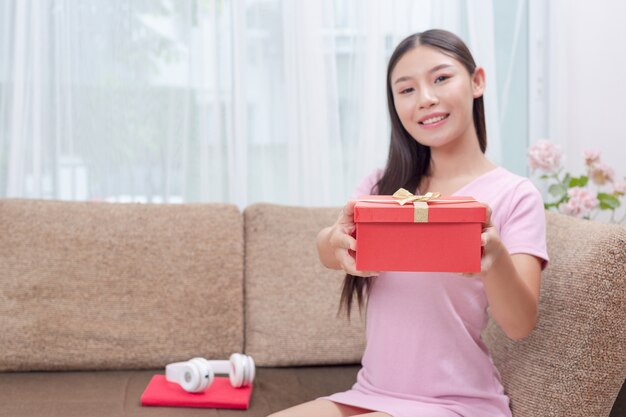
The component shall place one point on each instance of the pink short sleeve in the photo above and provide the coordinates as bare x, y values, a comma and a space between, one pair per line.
368, 184
524, 230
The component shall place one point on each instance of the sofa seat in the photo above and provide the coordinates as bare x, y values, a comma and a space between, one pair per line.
118, 393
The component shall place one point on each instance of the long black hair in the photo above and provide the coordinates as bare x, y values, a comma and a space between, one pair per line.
409, 161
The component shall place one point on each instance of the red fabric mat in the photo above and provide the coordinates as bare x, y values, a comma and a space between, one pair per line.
220, 394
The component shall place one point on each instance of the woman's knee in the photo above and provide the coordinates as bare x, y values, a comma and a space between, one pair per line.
321, 408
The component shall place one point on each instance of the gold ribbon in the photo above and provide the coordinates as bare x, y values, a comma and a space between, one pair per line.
420, 203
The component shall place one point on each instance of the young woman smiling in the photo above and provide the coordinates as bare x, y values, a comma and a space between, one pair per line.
424, 355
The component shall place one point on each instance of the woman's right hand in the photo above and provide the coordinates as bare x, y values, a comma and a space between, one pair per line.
343, 244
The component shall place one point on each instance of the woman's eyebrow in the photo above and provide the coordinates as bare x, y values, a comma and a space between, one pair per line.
433, 69
438, 67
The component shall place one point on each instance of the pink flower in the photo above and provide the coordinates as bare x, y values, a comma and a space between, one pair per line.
545, 156
600, 173
619, 187
592, 156
580, 204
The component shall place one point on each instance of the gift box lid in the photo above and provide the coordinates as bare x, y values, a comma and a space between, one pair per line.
450, 209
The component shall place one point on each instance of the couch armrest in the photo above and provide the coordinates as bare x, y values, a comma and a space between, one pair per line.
573, 364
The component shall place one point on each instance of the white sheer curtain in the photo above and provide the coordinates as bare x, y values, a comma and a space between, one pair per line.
576, 94
230, 101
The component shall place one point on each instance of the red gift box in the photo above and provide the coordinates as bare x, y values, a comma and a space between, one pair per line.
405, 233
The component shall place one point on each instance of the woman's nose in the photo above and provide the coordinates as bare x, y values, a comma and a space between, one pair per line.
427, 98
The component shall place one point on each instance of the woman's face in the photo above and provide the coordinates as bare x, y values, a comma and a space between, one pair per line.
434, 94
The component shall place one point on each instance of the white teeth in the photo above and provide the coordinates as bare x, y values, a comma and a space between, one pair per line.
433, 120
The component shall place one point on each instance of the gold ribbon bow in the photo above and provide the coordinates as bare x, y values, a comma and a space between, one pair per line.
420, 203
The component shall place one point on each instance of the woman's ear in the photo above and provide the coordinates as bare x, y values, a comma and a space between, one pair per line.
478, 82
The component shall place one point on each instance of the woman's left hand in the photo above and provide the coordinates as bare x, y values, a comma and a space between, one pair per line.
492, 247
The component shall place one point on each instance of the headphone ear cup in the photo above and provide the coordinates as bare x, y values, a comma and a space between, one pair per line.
185, 374
251, 368
242, 370
236, 374
205, 372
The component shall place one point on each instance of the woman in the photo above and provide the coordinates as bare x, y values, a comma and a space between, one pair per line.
424, 356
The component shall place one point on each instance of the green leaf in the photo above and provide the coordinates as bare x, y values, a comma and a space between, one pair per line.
604, 206
608, 201
566, 178
584, 180
544, 177
579, 181
557, 190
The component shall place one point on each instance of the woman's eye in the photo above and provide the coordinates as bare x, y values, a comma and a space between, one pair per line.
406, 90
441, 78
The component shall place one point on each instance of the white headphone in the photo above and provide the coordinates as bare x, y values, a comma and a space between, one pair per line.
197, 374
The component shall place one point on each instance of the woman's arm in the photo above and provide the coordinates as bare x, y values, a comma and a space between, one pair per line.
512, 285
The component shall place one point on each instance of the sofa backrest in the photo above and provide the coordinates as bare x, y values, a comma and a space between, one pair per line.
291, 299
118, 286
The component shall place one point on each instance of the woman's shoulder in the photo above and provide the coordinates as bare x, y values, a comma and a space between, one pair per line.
518, 213
507, 192
505, 181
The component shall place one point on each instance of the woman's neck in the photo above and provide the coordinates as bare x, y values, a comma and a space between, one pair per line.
459, 159
453, 166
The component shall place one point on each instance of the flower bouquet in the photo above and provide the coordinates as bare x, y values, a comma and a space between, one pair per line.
581, 196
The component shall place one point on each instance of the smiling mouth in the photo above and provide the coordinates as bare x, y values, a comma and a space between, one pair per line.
434, 120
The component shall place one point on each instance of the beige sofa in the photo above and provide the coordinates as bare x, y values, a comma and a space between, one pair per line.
96, 298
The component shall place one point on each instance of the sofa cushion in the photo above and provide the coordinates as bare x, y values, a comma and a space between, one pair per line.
291, 298
118, 393
118, 286
573, 364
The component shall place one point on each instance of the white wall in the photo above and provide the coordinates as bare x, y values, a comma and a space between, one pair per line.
587, 82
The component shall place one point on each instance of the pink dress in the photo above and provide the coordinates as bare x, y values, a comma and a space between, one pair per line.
424, 354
